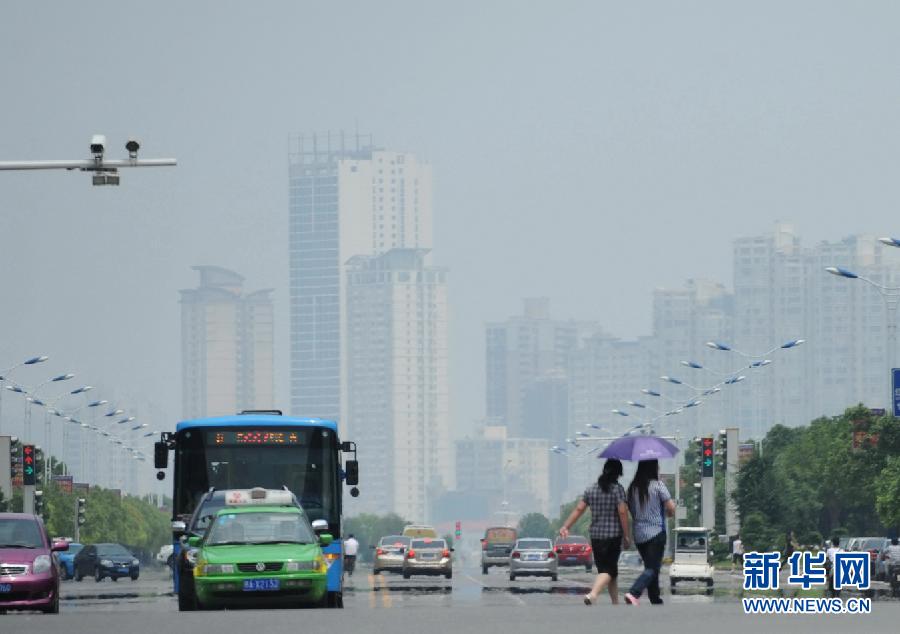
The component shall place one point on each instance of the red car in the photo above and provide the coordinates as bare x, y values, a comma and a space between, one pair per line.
575, 550
29, 573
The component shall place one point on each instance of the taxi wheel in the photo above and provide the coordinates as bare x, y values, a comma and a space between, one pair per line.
406, 575
484, 570
512, 577
53, 608
449, 575
555, 577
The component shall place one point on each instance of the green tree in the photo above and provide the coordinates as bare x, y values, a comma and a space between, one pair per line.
535, 525
581, 527
887, 487
368, 528
812, 480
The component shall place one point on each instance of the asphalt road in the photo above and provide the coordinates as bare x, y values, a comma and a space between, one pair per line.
470, 602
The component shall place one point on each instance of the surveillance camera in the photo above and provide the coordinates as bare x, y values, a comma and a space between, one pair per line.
132, 147
98, 144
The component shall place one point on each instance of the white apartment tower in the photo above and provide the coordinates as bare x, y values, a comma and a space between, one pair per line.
227, 346
398, 402
346, 198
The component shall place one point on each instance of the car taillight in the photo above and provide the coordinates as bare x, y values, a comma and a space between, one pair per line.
516, 554
551, 555
411, 554
587, 549
379, 551
483, 545
445, 553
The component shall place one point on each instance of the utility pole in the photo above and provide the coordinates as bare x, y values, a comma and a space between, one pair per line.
707, 483
6, 467
732, 524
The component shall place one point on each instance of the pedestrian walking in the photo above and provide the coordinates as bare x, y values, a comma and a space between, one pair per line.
609, 528
649, 502
351, 548
834, 549
737, 552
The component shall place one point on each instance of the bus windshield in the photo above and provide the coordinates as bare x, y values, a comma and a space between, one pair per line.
304, 459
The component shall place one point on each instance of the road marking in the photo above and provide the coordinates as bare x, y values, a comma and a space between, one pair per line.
386, 599
372, 593
510, 595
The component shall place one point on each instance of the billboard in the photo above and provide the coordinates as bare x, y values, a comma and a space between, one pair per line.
63, 482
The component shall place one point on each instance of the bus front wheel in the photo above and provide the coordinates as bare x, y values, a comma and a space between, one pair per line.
335, 599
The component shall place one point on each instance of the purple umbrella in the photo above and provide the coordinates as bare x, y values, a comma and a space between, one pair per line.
635, 448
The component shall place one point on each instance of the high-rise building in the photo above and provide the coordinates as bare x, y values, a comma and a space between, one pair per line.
684, 319
227, 346
783, 292
347, 198
508, 476
397, 380
522, 350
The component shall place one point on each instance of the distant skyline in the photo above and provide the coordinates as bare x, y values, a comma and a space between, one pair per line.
587, 152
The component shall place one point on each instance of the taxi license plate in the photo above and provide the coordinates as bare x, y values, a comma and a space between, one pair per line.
532, 557
5, 587
257, 585
571, 558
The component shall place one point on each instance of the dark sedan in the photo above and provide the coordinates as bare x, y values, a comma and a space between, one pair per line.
106, 560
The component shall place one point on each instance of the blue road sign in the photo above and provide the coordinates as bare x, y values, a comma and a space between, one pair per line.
895, 385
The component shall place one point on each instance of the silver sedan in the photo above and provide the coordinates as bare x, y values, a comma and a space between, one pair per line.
533, 557
427, 556
390, 553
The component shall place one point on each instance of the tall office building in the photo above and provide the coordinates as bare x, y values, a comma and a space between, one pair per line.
522, 350
346, 198
782, 292
227, 346
398, 401
684, 319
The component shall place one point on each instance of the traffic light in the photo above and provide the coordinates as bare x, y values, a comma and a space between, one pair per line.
38, 502
38, 465
706, 456
15, 460
28, 465
697, 506
458, 529
82, 504
723, 450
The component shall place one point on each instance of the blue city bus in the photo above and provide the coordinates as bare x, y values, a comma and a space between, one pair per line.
262, 449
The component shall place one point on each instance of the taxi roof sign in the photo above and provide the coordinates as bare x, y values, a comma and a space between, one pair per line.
258, 495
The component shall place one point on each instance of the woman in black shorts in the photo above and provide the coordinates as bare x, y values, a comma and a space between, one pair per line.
609, 528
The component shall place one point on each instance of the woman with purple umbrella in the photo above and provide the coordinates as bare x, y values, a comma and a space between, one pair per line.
649, 502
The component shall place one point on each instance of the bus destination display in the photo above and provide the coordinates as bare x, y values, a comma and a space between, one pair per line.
254, 437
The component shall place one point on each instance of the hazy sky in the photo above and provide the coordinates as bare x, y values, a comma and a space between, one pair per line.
584, 151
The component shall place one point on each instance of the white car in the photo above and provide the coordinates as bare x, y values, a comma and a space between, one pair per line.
691, 562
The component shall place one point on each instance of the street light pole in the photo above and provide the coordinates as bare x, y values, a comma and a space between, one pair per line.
5, 374
891, 297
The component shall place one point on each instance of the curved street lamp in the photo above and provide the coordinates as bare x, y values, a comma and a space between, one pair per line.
891, 297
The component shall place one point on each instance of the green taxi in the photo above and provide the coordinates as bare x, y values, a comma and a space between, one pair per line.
259, 554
